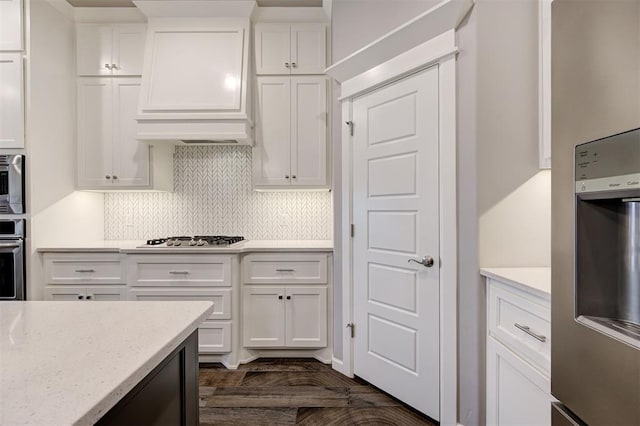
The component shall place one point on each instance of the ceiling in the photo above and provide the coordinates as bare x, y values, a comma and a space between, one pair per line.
262, 3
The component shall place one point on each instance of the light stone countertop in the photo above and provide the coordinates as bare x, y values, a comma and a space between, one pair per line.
248, 246
536, 281
64, 363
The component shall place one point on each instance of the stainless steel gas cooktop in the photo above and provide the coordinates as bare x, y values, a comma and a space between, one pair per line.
195, 241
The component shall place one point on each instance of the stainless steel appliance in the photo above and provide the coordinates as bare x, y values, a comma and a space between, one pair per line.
12, 270
194, 242
595, 363
12, 184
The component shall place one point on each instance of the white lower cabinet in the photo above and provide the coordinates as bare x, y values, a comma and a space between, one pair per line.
284, 317
85, 293
518, 367
185, 277
517, 393
291, 310
84, 276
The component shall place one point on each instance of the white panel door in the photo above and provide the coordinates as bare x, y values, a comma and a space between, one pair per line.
306, 317
309, 131
272, 48
10, 25
272, 153
11, 101
263, 316
128, 49
95, 132
94, 49
130, 157
396, 217
517, 393
308, 49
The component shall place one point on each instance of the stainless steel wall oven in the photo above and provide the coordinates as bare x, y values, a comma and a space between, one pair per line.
12, 256
12, 184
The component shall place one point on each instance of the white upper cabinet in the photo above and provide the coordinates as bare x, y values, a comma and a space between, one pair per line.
290, 48
195, 67
109, 156
110, 49
11, 101
291, 133
11, 25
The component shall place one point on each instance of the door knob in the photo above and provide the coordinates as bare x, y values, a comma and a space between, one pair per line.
426, 261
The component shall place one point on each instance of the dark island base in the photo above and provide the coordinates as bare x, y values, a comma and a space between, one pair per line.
166, 396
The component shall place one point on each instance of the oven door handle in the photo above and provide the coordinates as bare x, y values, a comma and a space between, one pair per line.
11, 245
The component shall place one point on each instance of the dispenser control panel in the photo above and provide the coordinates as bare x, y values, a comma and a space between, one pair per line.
608, 164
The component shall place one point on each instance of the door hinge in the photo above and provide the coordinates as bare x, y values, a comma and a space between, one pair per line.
353, 230
352, 326
351, 126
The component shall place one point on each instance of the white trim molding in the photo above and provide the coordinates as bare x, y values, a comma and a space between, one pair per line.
544, 82
439, 19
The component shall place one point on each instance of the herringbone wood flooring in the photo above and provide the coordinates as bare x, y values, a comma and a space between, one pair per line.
295, 392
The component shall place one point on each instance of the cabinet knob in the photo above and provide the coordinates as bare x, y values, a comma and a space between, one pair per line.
286, 176
89, 297
114, 67
107, 66
293, 64
288, 297
293, 176
286, 64
80, 297
280, 297
107, 177
115, 177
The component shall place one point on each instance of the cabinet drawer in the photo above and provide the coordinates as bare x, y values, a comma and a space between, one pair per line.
521, 322
214, 337
82, 268
221, 298
182, 270
285, 269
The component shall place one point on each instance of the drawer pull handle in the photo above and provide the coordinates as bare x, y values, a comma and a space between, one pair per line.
285, 270
179, 272
527, 330
85, 270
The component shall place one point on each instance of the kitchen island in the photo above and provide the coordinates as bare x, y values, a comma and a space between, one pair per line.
65, 363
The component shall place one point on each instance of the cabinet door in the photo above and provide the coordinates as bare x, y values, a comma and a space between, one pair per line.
94, 49
10, 25
130, 157
517, 393
306, 317
64, 293
128, 49
106, 293
95, 130
273, 48
11, 104
263, 316
272, 153
308, 49
309, 131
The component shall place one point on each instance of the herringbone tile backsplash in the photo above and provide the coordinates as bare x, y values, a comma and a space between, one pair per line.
213, 196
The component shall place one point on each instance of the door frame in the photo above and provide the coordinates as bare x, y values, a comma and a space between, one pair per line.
440, 51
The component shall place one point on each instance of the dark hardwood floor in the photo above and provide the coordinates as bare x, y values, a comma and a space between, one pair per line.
295, 392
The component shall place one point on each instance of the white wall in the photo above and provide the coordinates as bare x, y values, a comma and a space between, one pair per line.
58, 214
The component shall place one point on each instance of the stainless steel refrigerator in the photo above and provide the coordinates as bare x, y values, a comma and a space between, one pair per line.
595, 316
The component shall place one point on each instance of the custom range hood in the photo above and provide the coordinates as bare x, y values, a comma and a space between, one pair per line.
195, 85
